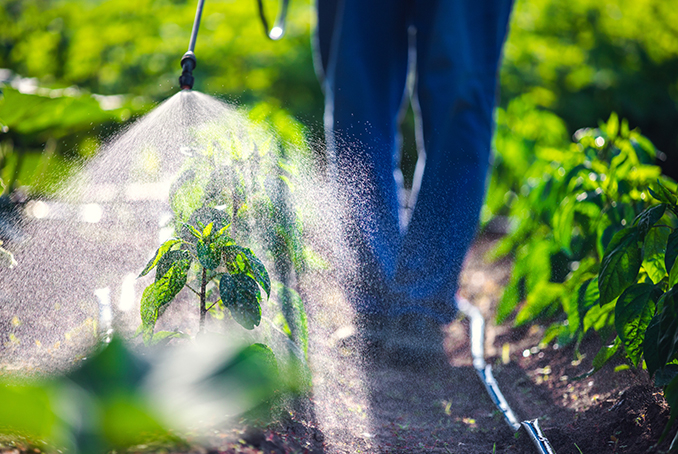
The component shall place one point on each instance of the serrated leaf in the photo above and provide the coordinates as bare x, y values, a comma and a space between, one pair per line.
162, 250
240, 294
620, 264
671, 250
633, 312
654, 248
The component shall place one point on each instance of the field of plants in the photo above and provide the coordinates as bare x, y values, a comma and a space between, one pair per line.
574, 267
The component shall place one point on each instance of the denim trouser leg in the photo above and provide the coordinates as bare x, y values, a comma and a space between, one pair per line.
458, 50
458, 45
364, 86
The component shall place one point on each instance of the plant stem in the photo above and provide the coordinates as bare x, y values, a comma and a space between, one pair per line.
203, 293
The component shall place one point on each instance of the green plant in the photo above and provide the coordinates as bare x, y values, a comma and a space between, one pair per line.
595, 250
638, 276
216, 258
572, 202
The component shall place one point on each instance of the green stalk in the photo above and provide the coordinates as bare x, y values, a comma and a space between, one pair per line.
203, 295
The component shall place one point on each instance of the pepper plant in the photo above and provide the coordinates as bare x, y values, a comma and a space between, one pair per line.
204, 244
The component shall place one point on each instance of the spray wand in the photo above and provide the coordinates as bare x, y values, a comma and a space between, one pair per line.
189, 62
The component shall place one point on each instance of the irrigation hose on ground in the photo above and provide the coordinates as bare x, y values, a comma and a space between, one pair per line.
188, 60
484, 371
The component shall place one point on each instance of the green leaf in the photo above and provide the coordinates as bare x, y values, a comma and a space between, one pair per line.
538, 300
664, 375
661, 193
633, 312
240, 293
671, 250
599, 317
253, 372
160, 293
671, 396
604, 355
654, 249
162, 250
612, 127
588, 297
163, 337
651, 346
209, 255
204, 216
649, 217
620, 264
258, 271
168, 260
562, 223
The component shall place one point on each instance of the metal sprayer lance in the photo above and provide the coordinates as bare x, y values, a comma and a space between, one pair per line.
189, 62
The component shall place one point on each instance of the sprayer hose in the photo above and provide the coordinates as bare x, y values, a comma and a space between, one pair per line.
278, 29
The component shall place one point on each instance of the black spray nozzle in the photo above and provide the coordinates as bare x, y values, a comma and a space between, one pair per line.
188, 63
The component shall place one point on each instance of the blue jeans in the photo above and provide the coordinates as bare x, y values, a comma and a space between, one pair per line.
364, 46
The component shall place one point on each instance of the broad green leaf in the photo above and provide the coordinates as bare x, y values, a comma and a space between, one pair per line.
654, 249
28, 409
588, 297
562, 223
258, 271
633, 312
649, 217
605, 354
162, 337
538, 300
207, 231
671, 250
599, 317
240, 293
162, 250
667, 345
663, 194
651, 346
161, 292
209, 255
168, 260
112, 370
620, 264
204, 216
664, 375
253, 372
671, 396
126, 421
612, 126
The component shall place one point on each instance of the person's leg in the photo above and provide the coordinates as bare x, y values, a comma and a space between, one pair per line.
458, 49
364, 84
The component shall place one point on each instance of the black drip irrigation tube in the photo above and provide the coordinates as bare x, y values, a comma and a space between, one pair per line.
189, 62
484, 371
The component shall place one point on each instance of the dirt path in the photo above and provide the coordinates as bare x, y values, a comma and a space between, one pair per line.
380, 409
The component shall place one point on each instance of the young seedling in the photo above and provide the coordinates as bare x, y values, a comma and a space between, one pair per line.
205, 245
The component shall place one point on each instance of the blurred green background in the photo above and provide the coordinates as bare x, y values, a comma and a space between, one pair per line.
579, 59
